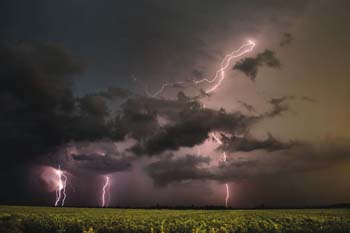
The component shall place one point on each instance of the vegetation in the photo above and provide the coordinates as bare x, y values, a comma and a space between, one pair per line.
18, 219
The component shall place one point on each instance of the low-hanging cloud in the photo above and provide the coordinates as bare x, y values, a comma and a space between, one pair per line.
302, 157
170, 169
93, 157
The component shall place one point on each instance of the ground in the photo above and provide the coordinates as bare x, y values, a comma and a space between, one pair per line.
19, 219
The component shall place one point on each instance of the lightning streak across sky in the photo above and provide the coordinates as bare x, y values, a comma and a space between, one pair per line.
217, 139
61, 187
105, 192
219, 75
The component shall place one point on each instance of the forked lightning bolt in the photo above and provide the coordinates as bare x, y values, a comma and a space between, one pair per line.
220, 73
61, 187
217, 139
105, 192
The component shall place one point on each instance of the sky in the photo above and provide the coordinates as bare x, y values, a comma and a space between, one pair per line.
81, 91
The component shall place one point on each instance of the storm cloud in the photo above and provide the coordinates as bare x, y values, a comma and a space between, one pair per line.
250, 66
276, 160
106, 164
170, 169
189, 124
53, 126
40, 111
248, 143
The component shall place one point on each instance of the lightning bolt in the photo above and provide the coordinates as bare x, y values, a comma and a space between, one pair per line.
227, 194
105, 192
61, 187
217, 139
220, 73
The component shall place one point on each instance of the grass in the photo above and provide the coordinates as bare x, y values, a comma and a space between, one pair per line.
19, 219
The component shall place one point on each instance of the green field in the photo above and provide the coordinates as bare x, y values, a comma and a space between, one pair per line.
48, 219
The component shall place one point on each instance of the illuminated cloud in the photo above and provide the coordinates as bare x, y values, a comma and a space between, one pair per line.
250, 66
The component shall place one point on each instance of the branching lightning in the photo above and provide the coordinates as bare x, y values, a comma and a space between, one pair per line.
105, 192
218, 140
219, 75
61, 187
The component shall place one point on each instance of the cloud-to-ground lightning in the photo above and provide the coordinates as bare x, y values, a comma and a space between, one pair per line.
105, 192
227, 194
61, 187
220, 73
218, 140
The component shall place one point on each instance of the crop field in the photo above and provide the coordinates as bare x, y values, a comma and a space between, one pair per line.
88, 220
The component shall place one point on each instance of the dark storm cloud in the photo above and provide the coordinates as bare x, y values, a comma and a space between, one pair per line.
170, 169
302, 157
249, 143
190, 123
192, 128
35, 79
287, 39
40, 111
90, 157
38, 76
139, 116
99, 164
250, 66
